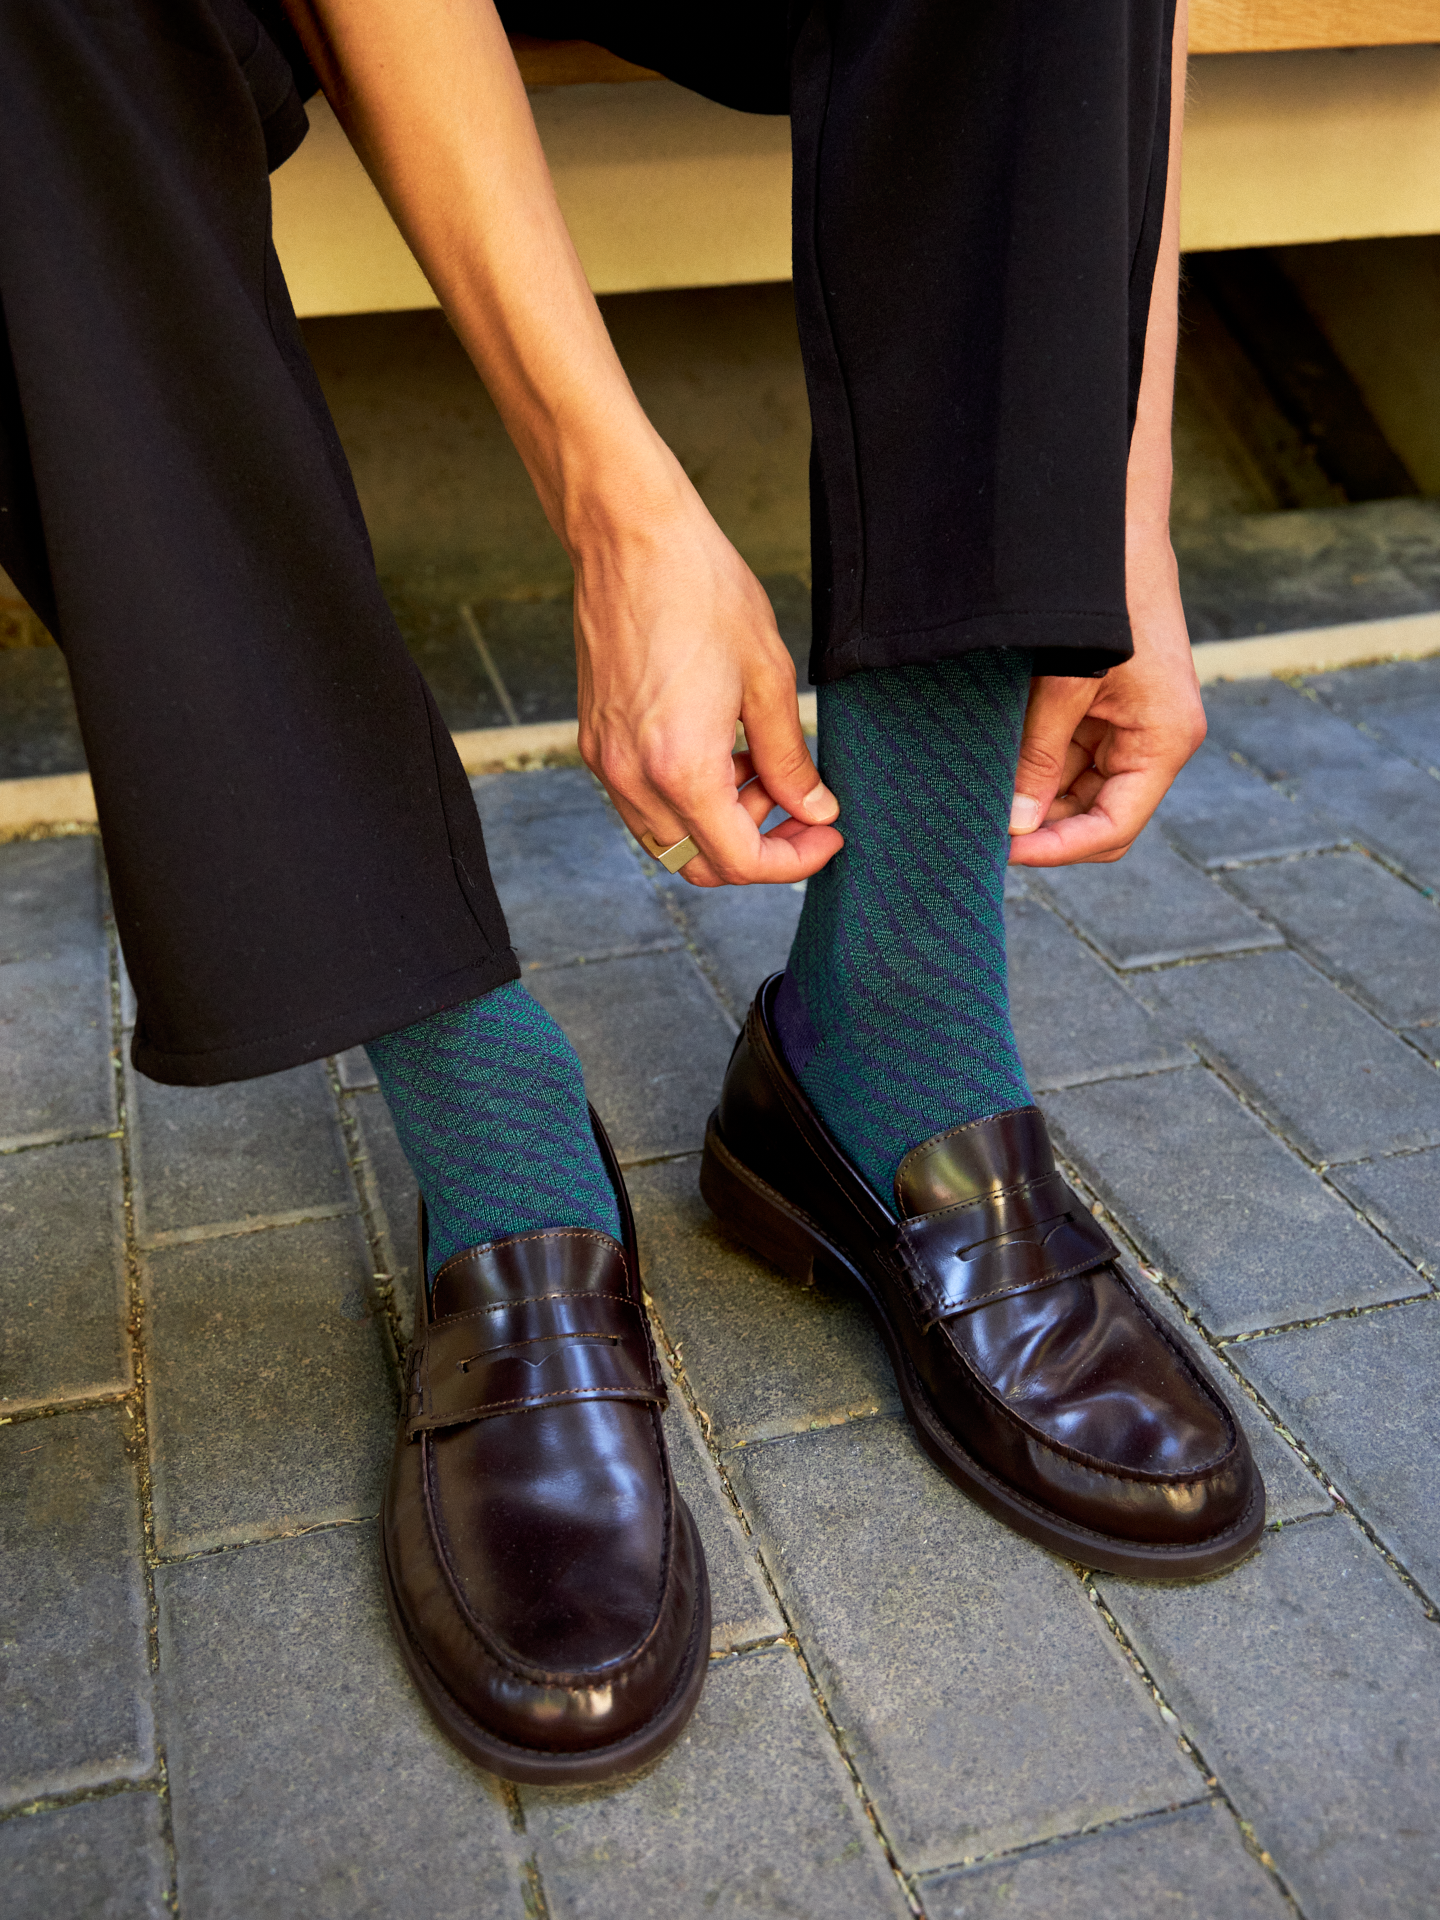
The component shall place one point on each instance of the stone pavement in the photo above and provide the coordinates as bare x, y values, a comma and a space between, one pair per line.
1235, 1034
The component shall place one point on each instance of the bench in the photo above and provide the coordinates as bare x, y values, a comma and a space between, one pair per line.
1308, 120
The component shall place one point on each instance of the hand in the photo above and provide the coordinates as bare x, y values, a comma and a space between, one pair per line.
676, 641
1098, 756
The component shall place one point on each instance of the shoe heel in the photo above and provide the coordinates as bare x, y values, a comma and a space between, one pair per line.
748, 1210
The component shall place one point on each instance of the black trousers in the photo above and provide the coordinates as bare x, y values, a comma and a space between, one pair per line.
294, 853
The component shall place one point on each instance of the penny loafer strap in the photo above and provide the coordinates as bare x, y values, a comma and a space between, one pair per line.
539, 1351
1030, 1236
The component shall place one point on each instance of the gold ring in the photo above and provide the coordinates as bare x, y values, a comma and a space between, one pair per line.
671, 858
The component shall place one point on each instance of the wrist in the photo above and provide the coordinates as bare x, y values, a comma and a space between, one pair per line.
616, 497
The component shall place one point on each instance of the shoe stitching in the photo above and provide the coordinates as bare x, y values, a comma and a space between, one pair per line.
1149, 1547
528, 1300
438, 1538
683, 1673
957, 1309
538, 1233
1105, 1470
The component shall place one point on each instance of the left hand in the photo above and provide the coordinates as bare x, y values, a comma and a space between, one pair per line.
1098, 756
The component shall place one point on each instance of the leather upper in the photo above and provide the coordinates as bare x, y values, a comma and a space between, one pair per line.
1032, 1347
538, 1552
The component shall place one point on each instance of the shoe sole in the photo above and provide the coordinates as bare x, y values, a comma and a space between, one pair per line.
532, 1766
751, 1209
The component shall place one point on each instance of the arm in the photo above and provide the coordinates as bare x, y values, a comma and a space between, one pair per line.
1110, 748
674, 636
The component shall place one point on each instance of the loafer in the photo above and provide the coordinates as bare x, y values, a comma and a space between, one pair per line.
1030, 1368
545, 1581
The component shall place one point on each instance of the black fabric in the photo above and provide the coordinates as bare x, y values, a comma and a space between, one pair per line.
294, 852
296, 861
270, 56
979, 186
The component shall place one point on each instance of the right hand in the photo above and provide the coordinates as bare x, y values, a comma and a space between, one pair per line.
675, 641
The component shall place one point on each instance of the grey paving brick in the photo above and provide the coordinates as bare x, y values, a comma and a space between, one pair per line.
55, 1071
743, 933
272, 1404
653, 1042
1402, 1197
1307, 1678
1292, 1491
1188, 1865
1426, 1040
741, 1606
1218, 813
98, 1860
1150, 907
1384, 800
1073, 1019
1398, 699
74, 1683
62, 1275
1331, 1078
341, 1801
568, 882
49, 897
764, 1355
1360, 1395
1366, 929
1247, 1234
751, 1812
393, 1199
205, 1156
980, 1694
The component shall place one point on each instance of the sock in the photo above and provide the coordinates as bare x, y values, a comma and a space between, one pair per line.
895, 1010
488, 1101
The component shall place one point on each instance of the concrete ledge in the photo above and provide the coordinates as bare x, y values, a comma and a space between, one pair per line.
60, 800
1409, 636
49, 800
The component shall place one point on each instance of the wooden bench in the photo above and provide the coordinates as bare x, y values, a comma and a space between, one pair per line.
1308, 120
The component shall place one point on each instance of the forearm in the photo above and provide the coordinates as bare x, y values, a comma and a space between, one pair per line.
1098, 755
1150, 473
430, 97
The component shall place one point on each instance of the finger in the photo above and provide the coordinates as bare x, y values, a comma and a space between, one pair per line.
724, 823
1056, 708
1104, 830
777, 750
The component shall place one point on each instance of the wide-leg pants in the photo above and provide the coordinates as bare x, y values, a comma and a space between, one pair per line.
294, 854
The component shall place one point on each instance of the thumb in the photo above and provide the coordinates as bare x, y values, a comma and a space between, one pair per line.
780, 756
1056, 708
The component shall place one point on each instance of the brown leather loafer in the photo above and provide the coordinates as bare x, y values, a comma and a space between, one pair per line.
1033, 1374
545, 1580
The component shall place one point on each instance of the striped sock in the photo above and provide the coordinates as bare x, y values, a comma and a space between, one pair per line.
895, 1010
489, 1104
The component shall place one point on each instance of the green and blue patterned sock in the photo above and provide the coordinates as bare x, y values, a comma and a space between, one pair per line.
895, 1009
489, 1104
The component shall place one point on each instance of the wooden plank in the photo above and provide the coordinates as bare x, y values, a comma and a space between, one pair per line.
571, 63
1270, 26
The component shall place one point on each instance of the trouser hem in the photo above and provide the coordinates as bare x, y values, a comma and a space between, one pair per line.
327, 1034
1080, 644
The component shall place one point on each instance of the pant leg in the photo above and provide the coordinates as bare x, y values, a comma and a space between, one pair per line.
978, 197
979, 187
293, 848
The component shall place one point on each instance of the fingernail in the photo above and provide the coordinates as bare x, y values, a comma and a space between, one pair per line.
1024, 814
821, 805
